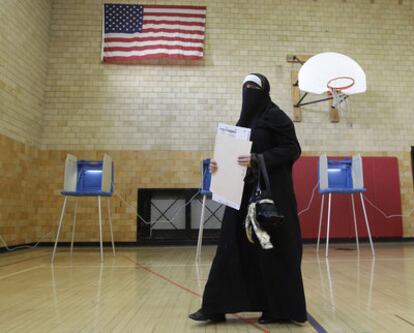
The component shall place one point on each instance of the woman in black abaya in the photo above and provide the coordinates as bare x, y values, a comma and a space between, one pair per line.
244, 277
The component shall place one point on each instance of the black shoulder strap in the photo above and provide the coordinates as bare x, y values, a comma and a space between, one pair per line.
263, 171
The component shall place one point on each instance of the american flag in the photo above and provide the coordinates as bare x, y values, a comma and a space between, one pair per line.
153, 31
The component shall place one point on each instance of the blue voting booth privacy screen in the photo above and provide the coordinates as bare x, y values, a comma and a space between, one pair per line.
88, 178
340, 175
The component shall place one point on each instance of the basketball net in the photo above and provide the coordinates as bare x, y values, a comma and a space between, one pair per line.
340, 100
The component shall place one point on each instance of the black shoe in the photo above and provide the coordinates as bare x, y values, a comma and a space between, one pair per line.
202, 316
267, 319
299, 323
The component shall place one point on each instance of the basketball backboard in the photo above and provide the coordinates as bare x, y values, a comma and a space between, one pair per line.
324, 71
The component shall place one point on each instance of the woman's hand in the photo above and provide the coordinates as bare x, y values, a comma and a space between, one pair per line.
245, 160
213, 166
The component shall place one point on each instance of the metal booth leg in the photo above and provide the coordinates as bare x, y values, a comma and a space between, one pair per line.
320, 223
100, 226
200, 229
59, 227
108, 203
329, 224
367, 224
355, 222
74, 225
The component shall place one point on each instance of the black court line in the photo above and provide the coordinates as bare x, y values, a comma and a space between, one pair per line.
318, 327
403, 319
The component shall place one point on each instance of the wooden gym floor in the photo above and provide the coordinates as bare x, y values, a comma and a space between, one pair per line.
153, 289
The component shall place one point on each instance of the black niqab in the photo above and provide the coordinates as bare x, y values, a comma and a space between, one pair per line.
254, 102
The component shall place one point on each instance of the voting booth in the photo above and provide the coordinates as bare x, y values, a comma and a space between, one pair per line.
85, 178
341, 176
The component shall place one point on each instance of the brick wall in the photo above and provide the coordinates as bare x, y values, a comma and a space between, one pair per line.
91, 105
23, 67
159, 111
175, 105
18, 187
24, 39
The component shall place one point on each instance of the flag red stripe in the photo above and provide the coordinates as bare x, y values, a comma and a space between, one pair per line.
176, 14
147, 39
152, 47
176, 7
189, 32
151, 56
199, 24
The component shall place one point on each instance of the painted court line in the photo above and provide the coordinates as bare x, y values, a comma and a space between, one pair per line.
376, 259
403, 319
23, 260
20, 272
318, 327
190, 291
91, 266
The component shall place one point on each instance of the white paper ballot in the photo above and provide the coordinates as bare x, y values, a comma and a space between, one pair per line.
242, 133
227, 183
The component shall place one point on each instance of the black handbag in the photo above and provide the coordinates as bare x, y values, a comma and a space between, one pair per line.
267, 213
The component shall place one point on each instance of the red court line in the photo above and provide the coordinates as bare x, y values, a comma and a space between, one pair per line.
246, 321
163, 277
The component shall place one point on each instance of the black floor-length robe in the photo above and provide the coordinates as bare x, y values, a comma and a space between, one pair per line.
243, 276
